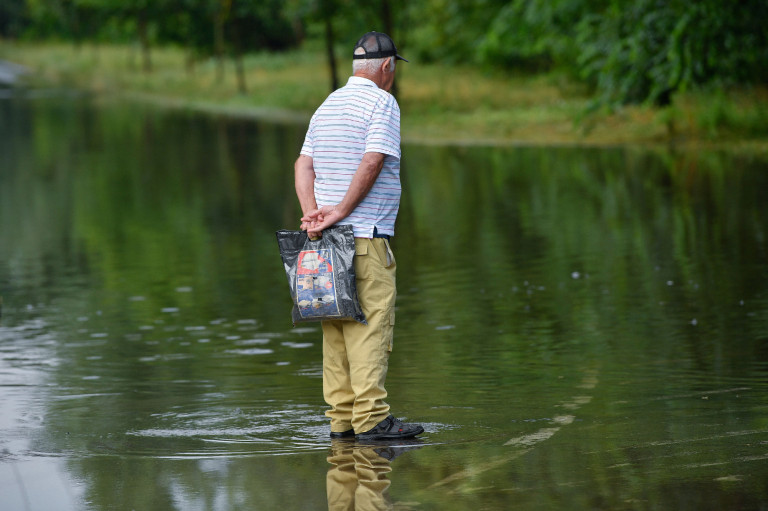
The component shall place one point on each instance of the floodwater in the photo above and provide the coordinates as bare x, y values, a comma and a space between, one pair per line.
582, 329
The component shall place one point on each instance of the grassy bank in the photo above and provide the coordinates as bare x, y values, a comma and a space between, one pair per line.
440, 104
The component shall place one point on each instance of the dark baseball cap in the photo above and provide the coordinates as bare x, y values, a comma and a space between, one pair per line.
376, 45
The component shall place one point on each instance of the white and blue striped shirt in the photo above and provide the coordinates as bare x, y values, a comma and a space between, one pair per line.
356, 119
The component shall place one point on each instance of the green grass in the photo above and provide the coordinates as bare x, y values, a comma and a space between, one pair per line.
440, 104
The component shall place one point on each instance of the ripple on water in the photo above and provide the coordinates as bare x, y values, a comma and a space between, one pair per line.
250, 342
250, 351
298, 344
216, 434
232, 432
166, 357
304, 330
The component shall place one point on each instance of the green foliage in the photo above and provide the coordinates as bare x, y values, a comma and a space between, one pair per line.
248, 25
13, 18
646, 51
630, 51
449, 30
258, 25
533, 34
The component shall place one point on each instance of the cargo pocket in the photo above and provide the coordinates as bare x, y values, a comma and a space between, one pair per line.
363, 269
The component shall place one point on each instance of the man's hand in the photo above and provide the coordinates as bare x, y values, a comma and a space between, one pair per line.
310, 227
317, 220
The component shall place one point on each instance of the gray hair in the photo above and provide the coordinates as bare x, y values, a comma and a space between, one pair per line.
369, 66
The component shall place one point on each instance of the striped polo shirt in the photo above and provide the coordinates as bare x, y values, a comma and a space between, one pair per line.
356, 119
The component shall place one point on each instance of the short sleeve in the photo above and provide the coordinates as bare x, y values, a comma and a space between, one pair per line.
308, 148
383, 133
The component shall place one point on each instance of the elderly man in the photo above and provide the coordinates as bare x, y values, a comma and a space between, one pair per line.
349, 173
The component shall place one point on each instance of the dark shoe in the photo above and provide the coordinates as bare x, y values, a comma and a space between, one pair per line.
391, 429
344, 434
391, 452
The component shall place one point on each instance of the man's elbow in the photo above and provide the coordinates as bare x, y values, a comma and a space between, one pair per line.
374, 161
304, 165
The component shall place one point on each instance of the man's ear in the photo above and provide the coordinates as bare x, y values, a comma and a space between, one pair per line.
387, 66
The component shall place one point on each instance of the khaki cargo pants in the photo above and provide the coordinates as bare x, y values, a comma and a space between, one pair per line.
356, 356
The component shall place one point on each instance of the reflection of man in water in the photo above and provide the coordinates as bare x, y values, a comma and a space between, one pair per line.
358, 480
349, 173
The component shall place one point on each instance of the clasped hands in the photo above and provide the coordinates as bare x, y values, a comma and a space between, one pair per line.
318, 219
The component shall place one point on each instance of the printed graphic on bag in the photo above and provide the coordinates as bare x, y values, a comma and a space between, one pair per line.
315, 284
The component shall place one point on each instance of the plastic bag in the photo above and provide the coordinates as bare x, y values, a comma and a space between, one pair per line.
321, 274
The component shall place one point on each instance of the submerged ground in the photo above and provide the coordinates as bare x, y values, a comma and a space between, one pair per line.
577, 328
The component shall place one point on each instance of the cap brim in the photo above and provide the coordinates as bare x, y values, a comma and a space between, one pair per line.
398, 57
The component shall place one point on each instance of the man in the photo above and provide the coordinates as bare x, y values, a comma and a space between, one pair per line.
349, 173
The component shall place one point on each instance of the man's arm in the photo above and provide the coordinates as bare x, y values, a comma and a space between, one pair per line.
304, 177
362, 182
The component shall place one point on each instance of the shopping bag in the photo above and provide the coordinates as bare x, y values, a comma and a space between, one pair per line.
321, 274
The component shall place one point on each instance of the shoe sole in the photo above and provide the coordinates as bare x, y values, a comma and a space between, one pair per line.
389, 436
345, 434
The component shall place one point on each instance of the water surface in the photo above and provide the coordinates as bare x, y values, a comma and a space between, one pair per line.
576, 328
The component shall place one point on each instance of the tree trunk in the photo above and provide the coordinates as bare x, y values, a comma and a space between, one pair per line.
190, 62
144, 42
331, 55
240, 70
386, 18
218, 44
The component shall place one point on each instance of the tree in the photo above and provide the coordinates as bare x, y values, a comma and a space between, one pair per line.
648, 50
533, 34
254, 26
328, 13
13, 18
75, 20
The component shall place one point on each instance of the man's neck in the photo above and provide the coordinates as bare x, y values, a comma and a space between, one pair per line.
375, 79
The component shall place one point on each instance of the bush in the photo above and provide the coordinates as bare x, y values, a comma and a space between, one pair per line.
646, 51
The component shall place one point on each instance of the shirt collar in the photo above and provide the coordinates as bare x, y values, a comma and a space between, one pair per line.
359, 80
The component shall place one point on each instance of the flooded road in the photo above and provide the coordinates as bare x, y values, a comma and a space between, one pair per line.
577, 328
